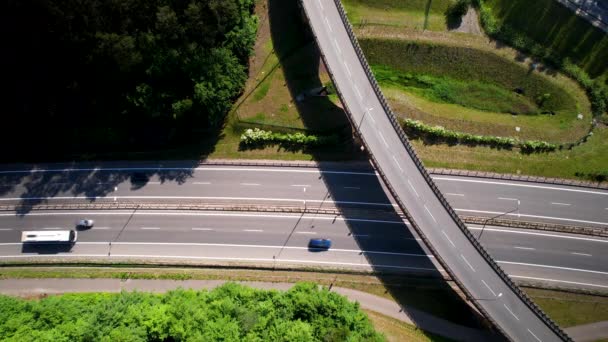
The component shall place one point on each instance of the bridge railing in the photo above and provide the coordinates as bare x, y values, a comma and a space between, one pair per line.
399, 130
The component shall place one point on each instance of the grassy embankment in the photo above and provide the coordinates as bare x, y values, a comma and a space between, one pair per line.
411, 14
587, 158
472, 91
555, 27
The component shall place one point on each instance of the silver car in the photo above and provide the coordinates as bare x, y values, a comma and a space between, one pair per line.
85, 223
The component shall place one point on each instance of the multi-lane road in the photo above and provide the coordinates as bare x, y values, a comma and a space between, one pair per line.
329, 186
360, 241
402, 172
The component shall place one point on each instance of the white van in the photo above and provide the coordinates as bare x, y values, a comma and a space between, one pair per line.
51, 236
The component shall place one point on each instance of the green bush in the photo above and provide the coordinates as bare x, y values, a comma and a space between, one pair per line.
231, 312
415, 129
259, 138
457, 9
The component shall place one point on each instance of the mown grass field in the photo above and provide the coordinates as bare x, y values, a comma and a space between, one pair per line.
413, 14
571, 309
479, 91
554, 26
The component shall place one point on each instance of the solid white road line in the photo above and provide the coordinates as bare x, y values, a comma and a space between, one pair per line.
511, 312
321, 6
358, 251
204, 168
429, 212
301, 185
308, 233
206, 197
101, 228
533, 216
513, 231
582, 254
558, 281
250, 184
337, 45
203, 229
201, 183
558, 203
451, 194
521, 185
153, 183
489, 288
151, 213
525, 248
150, 228
52, 228
467, 262
447, 237
531, 333
551, 267
253, 230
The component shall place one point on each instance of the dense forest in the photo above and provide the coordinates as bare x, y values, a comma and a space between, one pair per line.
231, 312
99, 74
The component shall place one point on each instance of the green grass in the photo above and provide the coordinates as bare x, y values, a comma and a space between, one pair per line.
571, 309
556, 27
397, 331
464, 63
261, 91
407, 14
589, 157
472, 94
476, 88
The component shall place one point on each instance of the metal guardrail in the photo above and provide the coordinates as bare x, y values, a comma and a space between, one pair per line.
398, 129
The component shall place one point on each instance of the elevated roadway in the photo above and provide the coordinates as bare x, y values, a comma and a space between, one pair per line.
488, 287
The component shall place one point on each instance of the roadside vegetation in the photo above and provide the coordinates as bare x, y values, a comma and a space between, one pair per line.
231, 312
429, 295
129, 75
471, 94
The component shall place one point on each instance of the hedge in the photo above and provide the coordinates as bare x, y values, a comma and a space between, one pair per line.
416, 128
258, 137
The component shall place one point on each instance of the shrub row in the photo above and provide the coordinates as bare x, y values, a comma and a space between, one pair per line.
258, 137
597, 92
416, 128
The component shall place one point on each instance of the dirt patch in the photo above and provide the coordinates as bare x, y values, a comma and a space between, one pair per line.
469, 23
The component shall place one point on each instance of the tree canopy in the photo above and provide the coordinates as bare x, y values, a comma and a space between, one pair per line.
231, 312
102, 71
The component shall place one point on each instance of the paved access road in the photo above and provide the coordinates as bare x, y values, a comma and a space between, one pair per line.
475, 274
381, 243
349, 187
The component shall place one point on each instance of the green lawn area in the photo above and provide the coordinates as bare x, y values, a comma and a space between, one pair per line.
473, 90
589, 157
412, 14
571, 309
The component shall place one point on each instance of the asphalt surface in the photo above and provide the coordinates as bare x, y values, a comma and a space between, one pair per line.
358, 243
344, 187
508, 311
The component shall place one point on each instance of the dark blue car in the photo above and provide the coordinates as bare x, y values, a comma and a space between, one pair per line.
320, 243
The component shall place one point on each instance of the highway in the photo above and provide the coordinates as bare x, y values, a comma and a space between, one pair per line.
336, 186
383, 243
475, 274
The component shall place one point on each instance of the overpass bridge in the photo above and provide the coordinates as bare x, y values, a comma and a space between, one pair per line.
486, 285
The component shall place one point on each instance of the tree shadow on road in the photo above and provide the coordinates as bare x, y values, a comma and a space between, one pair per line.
417, 283
84, 182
